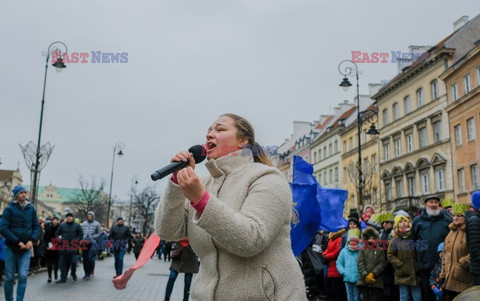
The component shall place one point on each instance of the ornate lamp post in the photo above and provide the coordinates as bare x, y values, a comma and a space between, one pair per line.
59, 65
349, 68
117, 150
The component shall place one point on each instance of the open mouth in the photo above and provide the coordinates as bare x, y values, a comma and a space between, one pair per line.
211, 146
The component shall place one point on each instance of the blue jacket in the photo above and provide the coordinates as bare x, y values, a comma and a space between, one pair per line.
433, 229
347, 265
2, 248
19, 224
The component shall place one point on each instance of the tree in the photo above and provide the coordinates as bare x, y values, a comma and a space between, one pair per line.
89, 197
145, 202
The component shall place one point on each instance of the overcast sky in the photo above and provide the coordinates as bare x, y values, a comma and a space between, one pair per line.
272, 61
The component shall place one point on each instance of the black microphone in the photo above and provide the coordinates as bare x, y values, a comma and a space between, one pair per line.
199, 154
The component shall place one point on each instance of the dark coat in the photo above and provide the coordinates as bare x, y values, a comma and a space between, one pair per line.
138, 244
71, 234
19, 225
473, 240
404, 263
433, 229
371, 260
187, 263
120, 233
48, 237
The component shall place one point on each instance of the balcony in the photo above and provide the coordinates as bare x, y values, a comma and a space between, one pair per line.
405, 203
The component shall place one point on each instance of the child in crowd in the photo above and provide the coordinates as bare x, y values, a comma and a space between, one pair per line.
347, 264
435, 282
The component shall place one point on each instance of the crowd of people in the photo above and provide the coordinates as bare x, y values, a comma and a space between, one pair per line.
432, 254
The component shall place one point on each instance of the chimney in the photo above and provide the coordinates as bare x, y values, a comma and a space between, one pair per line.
460, 23
373, 88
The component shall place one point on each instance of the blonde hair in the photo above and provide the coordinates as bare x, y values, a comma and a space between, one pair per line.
245, 131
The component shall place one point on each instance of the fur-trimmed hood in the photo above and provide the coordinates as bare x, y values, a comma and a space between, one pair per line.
368, 232
339, 233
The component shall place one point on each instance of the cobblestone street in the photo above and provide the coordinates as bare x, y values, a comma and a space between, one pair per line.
147, 284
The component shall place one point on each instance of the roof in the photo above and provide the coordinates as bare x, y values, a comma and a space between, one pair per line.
323, 124
60, 195
340, 121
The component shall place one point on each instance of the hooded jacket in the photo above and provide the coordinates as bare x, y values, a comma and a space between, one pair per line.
371, 259
347, 264
91, 229
402, 256
433, 229
243, 235
456, 265
332, 252
19, 224
472, 220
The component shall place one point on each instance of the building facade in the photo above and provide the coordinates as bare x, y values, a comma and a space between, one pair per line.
462, 80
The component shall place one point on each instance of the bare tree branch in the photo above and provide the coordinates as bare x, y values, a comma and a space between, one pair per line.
145, 202
90, 197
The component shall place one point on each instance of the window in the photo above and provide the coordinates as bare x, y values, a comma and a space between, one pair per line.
319, 178
324, 152
466, 83
395, 111
319, 154
350, 143
411, 186
330, 149
335, 146
314, 157
336, 174
330, 176
434, 87
374, 163
409, 143
407, 104
385, 117
440, 179
436, 131
344, 146
424, 178
474, 174
325, 177
454, 92
420, 101
461, 180
388, 191
399, 188
422, 135
458, 135
386, 151
471, 129
398, 151
375, 197
478, 76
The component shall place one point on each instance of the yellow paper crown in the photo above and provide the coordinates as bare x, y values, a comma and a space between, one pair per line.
460, 208
376, 217
387, 217
447, 203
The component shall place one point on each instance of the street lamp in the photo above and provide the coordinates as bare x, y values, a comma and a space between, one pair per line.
134, 181
117, 150
352, 70
59, 65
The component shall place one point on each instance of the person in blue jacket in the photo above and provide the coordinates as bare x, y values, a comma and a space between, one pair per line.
347, 264
2, 257
20, 227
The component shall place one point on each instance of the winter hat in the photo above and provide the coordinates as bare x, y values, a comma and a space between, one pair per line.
69, 214
92, 213
440, 247
476, 200
355, 220
402, 213
431, 197
460, 208
119, 218
353, 234
16, 191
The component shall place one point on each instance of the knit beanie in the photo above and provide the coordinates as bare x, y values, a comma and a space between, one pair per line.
16, 191
440, 247
476, 200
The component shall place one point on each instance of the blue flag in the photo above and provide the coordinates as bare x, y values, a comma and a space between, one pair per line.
317, 207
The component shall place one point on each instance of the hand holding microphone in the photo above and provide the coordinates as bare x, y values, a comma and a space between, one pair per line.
191, 185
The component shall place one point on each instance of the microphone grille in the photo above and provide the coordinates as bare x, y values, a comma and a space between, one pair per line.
199, 153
